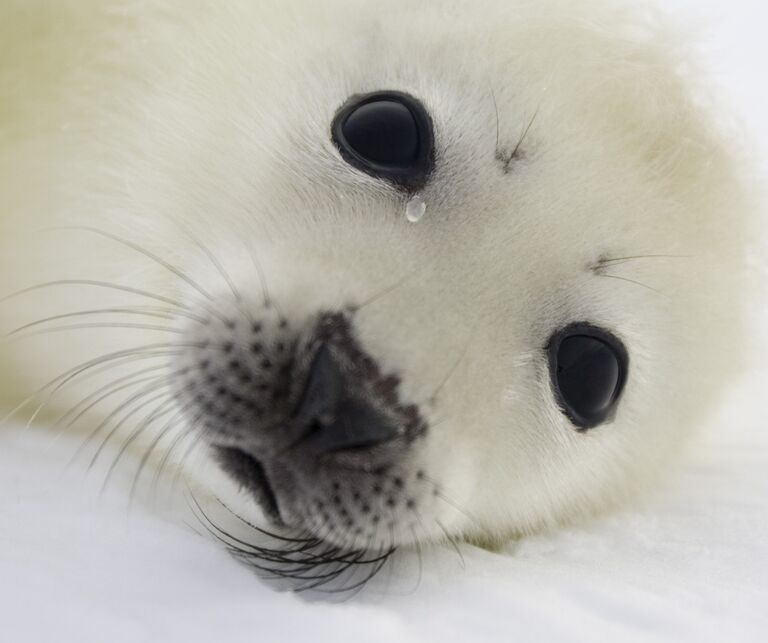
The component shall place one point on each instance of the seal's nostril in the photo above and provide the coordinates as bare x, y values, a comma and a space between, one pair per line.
387, 135
332, 418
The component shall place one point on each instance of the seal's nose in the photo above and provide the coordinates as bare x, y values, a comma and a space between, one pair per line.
332, 418
387, 135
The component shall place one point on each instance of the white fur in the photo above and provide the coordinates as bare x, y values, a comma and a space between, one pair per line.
149, 120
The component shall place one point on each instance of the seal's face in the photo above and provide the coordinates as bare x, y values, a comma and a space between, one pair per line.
451, 274
467, 307
312, 405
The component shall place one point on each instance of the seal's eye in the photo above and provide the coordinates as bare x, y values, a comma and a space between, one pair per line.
588, 367
387, 135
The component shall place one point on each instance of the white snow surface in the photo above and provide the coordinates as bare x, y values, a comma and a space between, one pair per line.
689, 563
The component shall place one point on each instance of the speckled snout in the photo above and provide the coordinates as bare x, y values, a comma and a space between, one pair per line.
294, 414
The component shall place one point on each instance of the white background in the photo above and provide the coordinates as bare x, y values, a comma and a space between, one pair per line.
689, 564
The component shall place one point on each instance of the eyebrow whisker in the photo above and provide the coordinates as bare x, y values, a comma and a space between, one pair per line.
631, 281
605, 261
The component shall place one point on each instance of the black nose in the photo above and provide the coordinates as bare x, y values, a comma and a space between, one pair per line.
332, 418
387, 135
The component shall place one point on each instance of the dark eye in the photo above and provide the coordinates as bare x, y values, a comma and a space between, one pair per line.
387, 135
588, 367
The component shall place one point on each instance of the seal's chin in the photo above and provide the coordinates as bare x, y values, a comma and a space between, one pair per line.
250, 474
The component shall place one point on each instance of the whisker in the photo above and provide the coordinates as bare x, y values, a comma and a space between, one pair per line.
453, 542
277, 555
160, 470
98, 284
160, 313
376, 569
165, 458
218, 265
104, 325
150, 255
169, 426
260, 529
305, 560
126, 405
631, 281
525, 134
194, 436
358, 560
616, 260
319, 580
417, 545
161, 410
450, 373
308, 567
382, 294
496, 112
111, 360
439, 494
260, 272
507, 158
115, 386
164, 395
199, 436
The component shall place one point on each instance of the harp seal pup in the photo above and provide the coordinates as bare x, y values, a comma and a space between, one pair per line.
440, 271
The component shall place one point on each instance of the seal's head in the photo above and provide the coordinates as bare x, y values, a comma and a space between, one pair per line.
498, 254
453, 271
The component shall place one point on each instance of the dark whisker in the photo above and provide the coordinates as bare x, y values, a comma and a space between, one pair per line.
524, 135
616, 260
319, 580
126, 405
261, 529
311, 566
102, 393
376, 569
271, 555
506, 158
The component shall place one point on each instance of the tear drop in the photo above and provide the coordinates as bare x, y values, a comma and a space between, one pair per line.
415, 209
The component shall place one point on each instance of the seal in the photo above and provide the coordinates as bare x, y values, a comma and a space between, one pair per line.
387, 277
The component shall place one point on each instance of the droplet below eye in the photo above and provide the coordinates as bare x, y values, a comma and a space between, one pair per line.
588, 368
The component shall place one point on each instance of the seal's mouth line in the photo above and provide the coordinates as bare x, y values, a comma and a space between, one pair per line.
269, 496
242, 465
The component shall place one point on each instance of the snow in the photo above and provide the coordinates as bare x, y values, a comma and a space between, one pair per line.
690, 563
